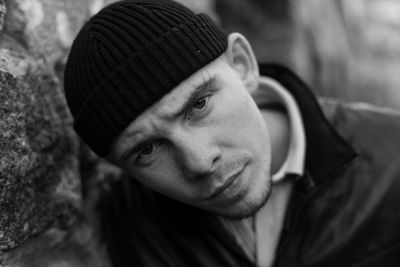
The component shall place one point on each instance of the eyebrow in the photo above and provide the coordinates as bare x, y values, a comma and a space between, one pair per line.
206, 86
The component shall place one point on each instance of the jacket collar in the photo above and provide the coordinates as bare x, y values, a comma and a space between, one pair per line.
326, 150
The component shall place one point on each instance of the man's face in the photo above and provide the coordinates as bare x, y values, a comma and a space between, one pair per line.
205, 143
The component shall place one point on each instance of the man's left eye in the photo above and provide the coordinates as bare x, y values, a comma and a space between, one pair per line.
200, 103
198, 107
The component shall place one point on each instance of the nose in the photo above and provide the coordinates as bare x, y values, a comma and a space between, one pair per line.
197, 153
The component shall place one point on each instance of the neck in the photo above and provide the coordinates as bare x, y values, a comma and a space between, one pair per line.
269, 222
279, 129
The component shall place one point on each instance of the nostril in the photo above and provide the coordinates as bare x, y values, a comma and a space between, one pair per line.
216, 159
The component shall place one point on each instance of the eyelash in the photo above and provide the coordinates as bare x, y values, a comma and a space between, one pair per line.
153, 144
206, 97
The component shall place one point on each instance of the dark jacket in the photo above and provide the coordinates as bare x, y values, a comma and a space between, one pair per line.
344, 212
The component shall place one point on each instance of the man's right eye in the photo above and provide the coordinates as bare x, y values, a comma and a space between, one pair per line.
147, 149
145, 154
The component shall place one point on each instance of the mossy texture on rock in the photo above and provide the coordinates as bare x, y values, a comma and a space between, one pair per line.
40, 190
39, 183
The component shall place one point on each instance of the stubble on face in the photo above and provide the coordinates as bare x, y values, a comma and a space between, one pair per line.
252, 206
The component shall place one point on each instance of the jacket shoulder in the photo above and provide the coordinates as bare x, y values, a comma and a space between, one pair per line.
357, 210
368, 128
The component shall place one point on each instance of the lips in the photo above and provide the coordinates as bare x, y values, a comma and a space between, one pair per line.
229, 182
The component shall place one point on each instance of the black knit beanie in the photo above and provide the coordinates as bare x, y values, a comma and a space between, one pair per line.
127, 57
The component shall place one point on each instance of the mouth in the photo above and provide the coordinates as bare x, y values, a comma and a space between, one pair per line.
230, 183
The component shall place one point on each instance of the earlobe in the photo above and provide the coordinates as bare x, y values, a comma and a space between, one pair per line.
241, 58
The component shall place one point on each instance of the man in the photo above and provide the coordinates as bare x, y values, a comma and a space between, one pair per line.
244, 169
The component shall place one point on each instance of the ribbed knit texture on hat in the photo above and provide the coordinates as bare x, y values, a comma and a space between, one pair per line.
127, 57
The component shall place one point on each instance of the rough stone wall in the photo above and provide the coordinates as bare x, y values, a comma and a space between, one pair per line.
41, 208
38, 163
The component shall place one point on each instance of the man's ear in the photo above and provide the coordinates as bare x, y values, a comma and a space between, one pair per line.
241, 58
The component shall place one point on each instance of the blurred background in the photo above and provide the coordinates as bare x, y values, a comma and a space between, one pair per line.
348, 49
49, 181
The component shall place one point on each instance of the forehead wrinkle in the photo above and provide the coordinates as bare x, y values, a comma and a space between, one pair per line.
169, 105
174, 103
150, 125
166, 109
138, 127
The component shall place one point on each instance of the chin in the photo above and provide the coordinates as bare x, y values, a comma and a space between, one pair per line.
248, 206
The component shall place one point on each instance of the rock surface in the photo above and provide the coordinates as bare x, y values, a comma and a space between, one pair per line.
41, 207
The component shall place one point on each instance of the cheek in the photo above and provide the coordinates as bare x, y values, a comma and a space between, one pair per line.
240, 120
163, 178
